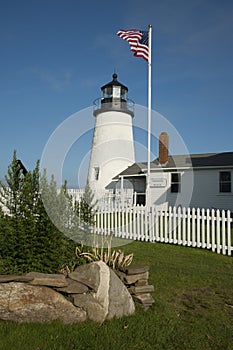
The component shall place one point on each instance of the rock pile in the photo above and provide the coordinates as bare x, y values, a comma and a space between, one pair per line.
93, 291
136, 280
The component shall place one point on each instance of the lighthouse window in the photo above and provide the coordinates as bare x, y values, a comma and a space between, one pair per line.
96, 172
116, 91
124, 95
107, 92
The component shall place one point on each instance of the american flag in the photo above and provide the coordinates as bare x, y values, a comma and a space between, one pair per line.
138, 41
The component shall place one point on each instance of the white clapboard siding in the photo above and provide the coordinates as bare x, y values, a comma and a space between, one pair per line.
198, 228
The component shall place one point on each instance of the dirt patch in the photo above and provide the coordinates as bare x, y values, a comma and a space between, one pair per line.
197, 300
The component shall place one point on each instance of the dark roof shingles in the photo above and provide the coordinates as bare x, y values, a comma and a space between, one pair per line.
223, 159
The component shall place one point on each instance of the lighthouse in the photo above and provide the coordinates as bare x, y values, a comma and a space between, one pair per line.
112, 145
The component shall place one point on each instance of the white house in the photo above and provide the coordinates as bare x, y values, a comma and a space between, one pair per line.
195, 180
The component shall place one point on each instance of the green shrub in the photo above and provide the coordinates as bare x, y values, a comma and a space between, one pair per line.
28, 238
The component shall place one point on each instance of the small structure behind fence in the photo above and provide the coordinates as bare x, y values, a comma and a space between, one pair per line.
200, 228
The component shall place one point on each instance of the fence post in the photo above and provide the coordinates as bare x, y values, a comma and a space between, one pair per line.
153, 217
165, 226
146, 214
126, 223
203, 221
198, 228
223, 233
213, 230
229, 220
174, 225
189, 226
115, 220
161, 225
218, 231
170, 225
135, 236
208, 229
130, 223
119, 220
179, 225
157, 218
138, 222
184, 239
193, 228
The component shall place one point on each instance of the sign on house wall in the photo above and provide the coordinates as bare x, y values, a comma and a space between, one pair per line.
158, 182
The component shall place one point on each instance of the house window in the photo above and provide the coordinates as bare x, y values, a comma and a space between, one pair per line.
175, 182
225, 181
96, 172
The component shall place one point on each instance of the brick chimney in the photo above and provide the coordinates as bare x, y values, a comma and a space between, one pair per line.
163, 148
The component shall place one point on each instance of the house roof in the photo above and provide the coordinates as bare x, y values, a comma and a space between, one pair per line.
199, 160
206, 160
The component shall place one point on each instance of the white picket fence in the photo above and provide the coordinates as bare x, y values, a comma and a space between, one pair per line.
200, 228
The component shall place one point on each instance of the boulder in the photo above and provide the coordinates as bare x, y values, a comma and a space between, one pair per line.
120, 300
93, 308
110, 297
21, 302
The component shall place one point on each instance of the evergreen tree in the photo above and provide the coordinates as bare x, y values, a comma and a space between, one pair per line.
14, 232
85, 210
87, 206
54, 219
28, 238
10, 192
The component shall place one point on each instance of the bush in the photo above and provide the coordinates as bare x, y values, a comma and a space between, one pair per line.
28, 238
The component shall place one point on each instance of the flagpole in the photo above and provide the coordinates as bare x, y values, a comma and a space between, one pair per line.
148, 194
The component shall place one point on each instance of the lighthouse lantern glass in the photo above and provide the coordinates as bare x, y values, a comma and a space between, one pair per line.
124, 94
116, 91
107, 92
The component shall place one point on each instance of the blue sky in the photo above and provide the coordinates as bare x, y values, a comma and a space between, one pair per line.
56, 54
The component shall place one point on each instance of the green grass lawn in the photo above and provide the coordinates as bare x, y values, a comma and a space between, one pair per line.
193, 309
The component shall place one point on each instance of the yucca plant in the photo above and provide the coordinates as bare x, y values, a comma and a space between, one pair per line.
115, 259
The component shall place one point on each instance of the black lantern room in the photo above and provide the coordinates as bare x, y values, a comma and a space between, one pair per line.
114, 97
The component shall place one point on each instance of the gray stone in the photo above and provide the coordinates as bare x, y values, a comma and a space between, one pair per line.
46, 279
73, 287
102, 293
130, 279
141, 289
87, 274
141, 283
110, 298
21, 302
144, 299
120, 300
134, 270
14, 278
120, 274
93, 308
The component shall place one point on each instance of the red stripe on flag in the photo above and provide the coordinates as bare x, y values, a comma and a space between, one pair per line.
134, 37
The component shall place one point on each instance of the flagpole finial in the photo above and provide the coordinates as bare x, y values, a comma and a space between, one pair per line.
150, 26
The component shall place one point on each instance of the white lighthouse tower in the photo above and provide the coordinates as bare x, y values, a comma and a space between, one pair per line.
112, 145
